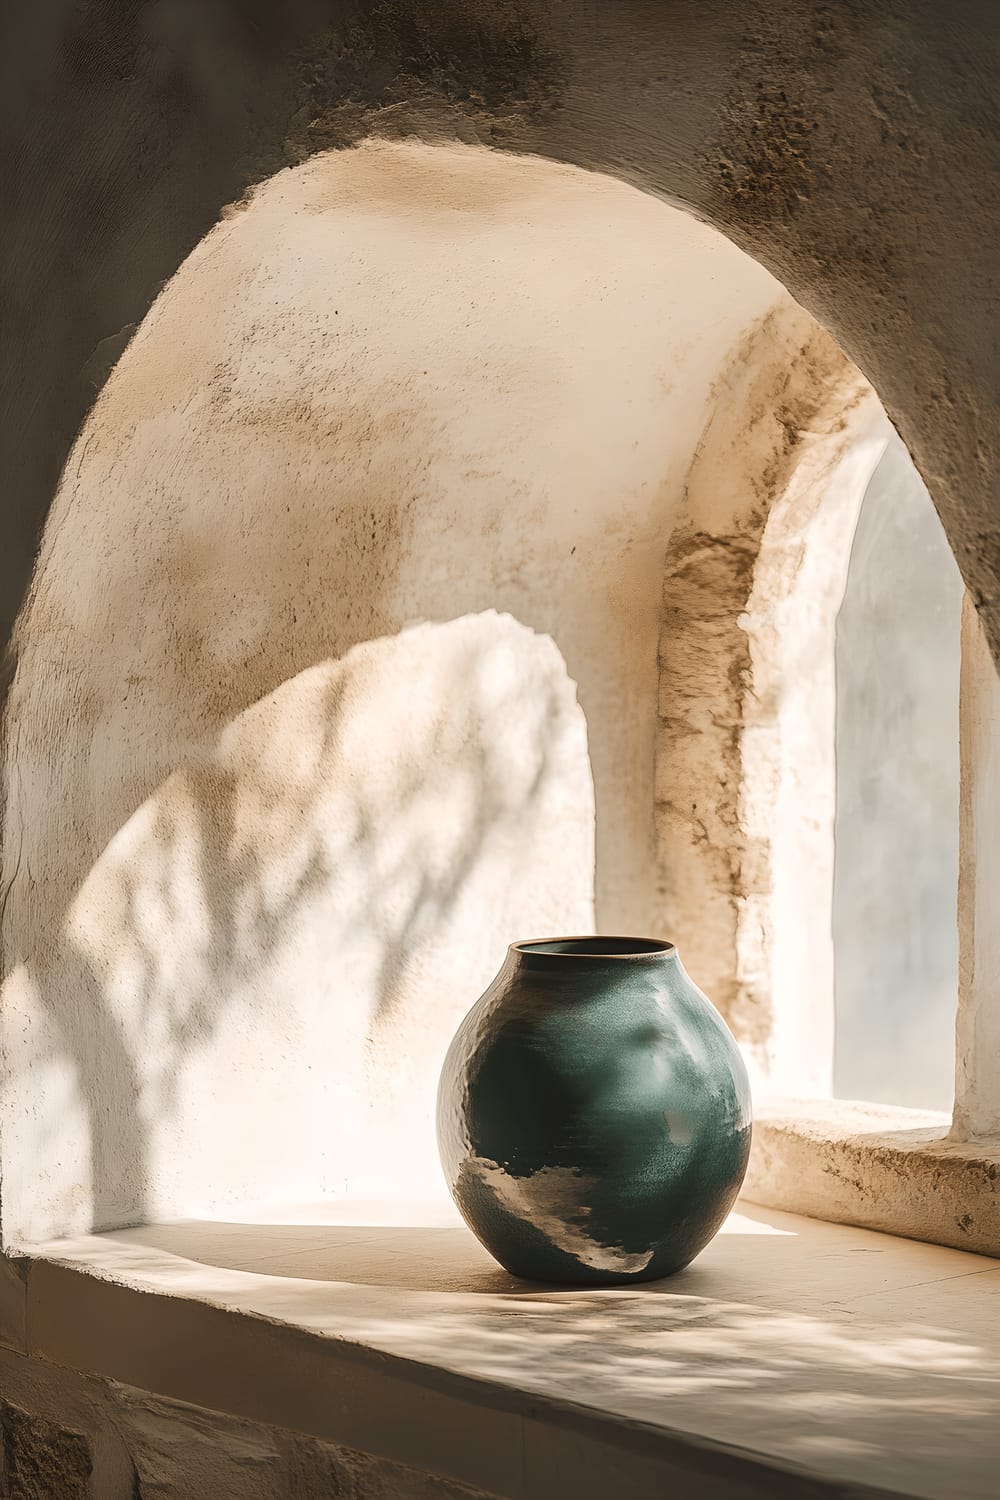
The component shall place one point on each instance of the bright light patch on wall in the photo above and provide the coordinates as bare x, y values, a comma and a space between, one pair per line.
896, 879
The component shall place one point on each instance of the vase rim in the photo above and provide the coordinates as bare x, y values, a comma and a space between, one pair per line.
602, 947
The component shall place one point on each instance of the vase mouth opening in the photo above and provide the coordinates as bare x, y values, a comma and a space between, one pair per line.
628, 948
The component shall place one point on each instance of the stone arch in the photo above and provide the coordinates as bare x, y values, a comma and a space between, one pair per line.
805, 134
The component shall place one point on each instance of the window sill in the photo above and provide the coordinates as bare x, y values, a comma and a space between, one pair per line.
792, 1358
878, 1167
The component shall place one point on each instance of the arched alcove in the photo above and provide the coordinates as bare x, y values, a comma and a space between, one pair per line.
402, 384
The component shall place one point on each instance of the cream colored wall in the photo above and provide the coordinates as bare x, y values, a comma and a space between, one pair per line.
403, 384
250, 994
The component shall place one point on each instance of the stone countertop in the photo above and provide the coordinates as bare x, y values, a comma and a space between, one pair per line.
793, 1357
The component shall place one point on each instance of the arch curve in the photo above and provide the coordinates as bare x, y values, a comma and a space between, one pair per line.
852, 153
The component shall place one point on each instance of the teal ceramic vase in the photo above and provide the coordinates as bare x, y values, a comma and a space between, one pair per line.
594, 1113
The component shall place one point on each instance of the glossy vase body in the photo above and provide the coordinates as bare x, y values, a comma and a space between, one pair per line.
594, 1113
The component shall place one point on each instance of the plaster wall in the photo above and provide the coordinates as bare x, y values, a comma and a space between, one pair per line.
256, 875
853, 150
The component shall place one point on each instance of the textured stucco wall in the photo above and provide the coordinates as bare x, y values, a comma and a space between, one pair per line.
853, 150
853, 154
895, 921
404, 383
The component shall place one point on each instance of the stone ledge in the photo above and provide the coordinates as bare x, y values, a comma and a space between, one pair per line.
894, 1170
793, 1358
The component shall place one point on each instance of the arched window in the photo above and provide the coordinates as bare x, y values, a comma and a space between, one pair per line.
895, 927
